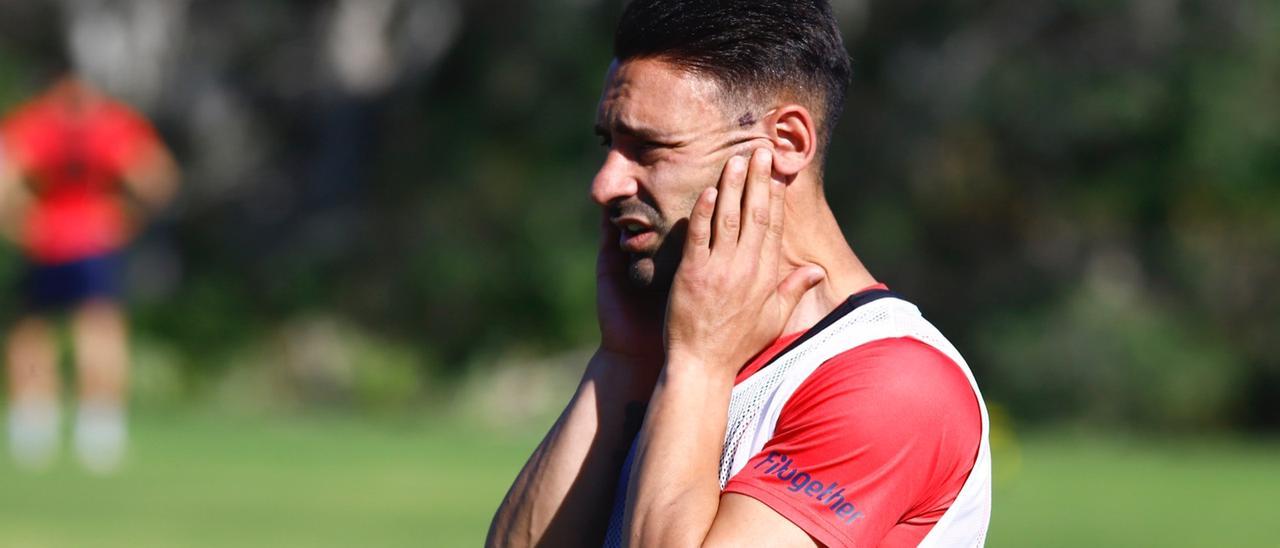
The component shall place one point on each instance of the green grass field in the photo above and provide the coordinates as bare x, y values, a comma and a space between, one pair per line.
200, 480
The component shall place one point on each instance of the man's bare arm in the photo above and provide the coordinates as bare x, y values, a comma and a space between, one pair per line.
13, 199
153, 180
565, 492
563, 495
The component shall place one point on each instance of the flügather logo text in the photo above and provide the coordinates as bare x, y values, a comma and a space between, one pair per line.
785, 469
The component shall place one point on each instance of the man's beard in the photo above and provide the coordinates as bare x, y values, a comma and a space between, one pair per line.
654, 270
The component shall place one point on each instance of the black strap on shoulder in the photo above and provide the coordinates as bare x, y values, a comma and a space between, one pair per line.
849, 305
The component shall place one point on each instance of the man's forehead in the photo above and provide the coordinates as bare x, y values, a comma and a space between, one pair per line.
652, 96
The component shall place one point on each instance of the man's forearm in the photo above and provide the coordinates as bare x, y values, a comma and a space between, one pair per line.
154, 180
12, 201
675, 489
563, 495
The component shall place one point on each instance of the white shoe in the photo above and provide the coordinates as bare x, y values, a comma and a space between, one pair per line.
33, 434
100, 437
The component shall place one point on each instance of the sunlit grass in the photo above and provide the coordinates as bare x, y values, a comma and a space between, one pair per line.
1089, 491
199, 480
196, 480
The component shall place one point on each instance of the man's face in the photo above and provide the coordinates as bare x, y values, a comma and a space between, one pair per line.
668, 139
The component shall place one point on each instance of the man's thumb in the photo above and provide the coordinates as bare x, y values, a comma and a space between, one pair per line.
799, 283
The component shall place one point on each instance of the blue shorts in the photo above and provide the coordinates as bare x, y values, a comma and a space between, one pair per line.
58, 287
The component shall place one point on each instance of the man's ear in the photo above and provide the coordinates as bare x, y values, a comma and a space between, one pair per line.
795, 139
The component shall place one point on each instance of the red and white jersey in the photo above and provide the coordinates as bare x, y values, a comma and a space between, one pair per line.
866, 430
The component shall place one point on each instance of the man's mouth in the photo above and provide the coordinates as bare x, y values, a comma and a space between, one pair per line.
636, 236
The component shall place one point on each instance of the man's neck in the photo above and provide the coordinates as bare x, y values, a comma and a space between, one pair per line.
813, 237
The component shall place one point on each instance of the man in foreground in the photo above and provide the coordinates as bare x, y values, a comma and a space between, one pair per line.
754, 384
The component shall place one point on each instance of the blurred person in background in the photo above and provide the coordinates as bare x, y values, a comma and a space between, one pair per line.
81, 170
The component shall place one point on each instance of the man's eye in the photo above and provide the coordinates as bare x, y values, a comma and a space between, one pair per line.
647, 148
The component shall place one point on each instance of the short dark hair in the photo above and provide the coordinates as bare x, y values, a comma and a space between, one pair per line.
752, 48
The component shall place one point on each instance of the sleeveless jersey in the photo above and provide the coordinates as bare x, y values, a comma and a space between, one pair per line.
757, 402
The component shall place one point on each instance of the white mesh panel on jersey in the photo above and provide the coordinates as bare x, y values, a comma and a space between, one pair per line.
769, 389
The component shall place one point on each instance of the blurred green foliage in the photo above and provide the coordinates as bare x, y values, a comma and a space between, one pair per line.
1085, 196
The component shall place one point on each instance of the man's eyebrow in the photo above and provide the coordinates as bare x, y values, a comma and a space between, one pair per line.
638, 132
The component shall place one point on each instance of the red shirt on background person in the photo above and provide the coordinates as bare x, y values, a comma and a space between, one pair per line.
75, 148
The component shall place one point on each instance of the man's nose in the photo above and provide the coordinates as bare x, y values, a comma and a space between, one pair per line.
614, 181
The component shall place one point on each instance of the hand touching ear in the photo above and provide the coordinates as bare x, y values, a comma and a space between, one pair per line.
727, 301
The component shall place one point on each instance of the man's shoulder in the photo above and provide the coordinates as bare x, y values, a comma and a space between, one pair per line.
894, 360
893, 422
898, 374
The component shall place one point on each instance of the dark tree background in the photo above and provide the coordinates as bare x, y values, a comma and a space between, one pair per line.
1084, 195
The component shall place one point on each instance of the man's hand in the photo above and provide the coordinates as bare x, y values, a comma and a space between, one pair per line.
726, 302
630, 318
726, 305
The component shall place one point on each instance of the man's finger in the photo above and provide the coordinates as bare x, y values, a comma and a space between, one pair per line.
728, 214
698, 244
796, 285
755, 206
609, 258
609, 233
777, 217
